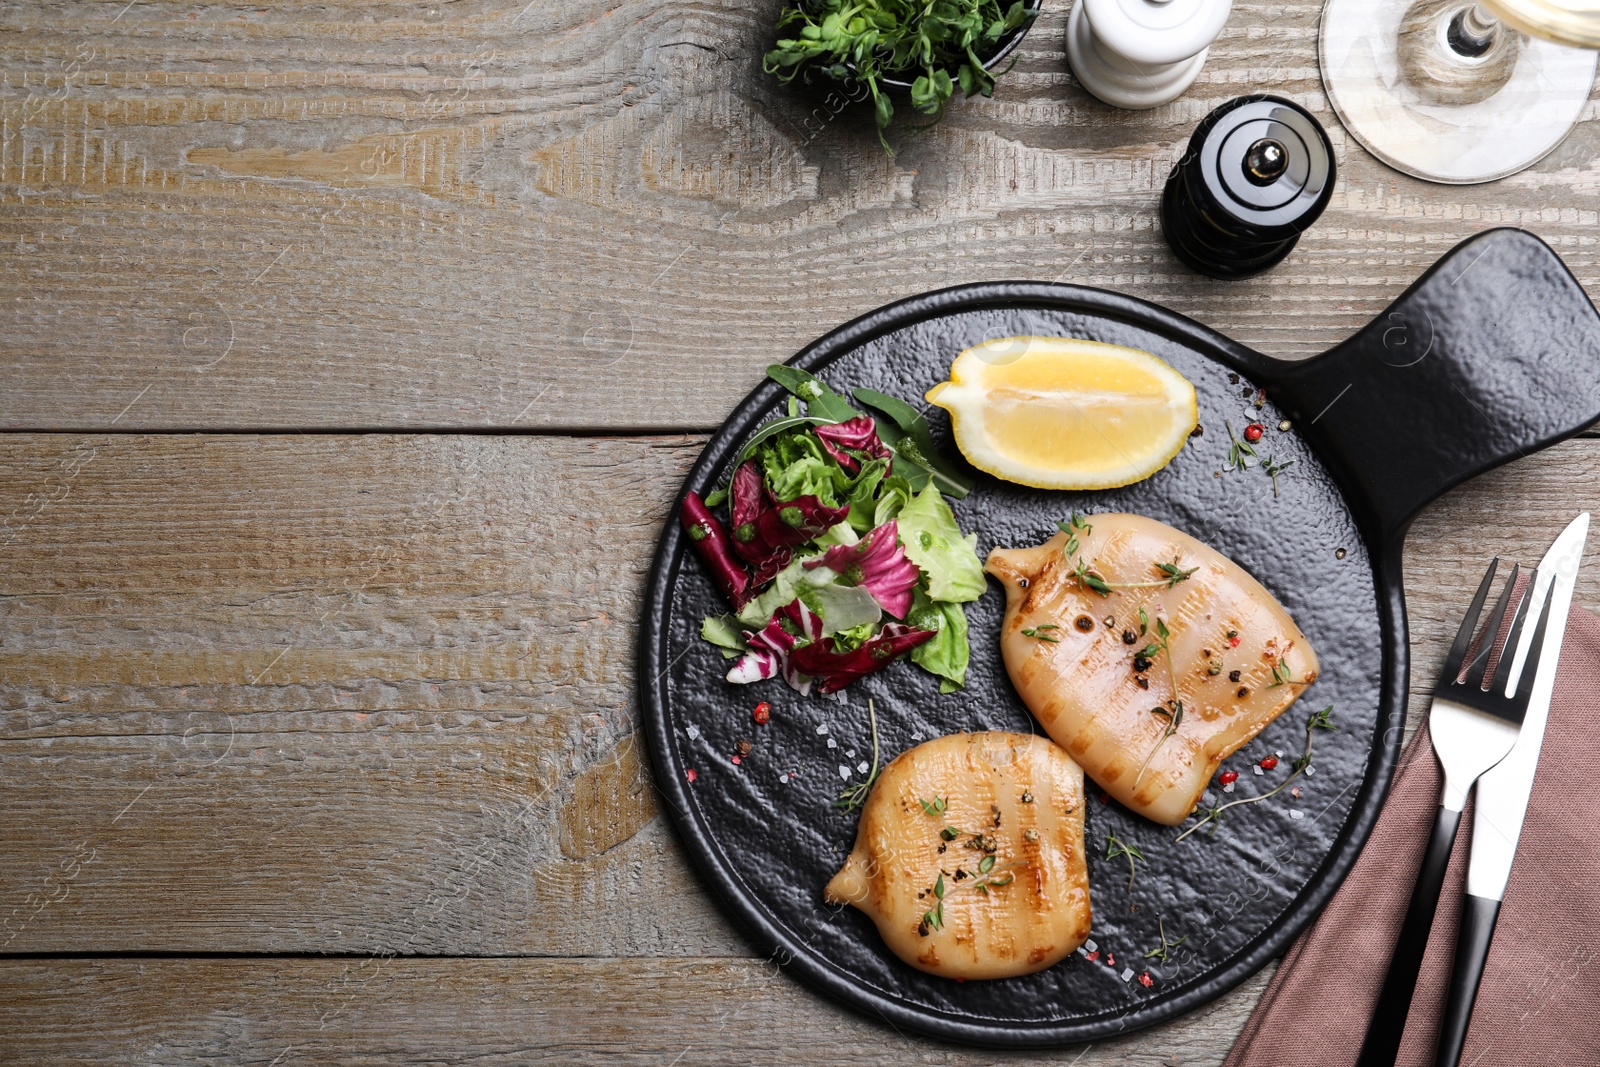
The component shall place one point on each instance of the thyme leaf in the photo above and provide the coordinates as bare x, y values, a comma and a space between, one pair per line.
1038, 634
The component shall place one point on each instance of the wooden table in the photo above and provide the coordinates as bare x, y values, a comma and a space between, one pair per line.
353, 355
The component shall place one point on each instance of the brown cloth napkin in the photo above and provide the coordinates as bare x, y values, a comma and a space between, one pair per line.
1540, 999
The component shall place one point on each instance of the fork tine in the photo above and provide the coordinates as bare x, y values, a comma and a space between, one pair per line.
1508, 650
1469, 626
1531, 666
1477, 670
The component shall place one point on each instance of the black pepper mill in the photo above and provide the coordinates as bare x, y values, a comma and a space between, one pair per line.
1258, 172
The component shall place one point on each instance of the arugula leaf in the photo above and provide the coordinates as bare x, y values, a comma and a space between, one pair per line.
944, 655
821, 401
932, 539
916, 446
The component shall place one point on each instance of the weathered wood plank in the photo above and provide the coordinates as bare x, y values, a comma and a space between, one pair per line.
496, 1012
475, 214
332, 694
310, 693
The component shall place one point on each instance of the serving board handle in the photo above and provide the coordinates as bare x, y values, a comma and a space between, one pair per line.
1492, 354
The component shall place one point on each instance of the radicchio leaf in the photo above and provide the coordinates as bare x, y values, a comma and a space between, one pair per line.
716, 550
834, 670
878, 564
765, 532
769, 650
860, 434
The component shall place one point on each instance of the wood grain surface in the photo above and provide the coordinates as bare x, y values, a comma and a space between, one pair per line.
471, 214
320, 746
371, 695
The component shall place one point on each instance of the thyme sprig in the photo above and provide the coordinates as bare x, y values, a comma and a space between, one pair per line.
1238, 451
1038, 632
1172, 711
1171, 573
1073, 528
856, 795
1161, 952
1318, 720
1115, 848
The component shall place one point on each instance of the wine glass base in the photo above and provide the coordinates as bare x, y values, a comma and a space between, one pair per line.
1457, 144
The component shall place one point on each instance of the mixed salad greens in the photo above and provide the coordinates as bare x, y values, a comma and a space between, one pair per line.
840, 553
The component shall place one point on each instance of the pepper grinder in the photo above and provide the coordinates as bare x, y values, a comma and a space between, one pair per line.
1140, 54
1258, 172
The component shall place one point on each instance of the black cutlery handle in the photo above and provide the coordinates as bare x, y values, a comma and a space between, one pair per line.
1388, 1022
1472, 950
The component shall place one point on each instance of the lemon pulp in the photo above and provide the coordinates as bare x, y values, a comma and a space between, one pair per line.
1065, 413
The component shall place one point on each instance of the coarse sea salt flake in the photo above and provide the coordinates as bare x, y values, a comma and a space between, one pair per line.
1228, 788
1296, 813
1127, 974
1310, 770
692, 730
832, 743
844, 772
822, 729
1258, 770
849, 753
863, 766
1090, 945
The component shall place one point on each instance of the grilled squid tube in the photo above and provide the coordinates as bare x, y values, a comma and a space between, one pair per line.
969, 856
1149, 656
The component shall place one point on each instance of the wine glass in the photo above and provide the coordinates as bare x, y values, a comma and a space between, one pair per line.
1459, 91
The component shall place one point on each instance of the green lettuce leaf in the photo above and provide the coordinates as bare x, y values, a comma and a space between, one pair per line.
863, 495
946, 654
893, 494
932, 539
725, 632
841, 607
795, 464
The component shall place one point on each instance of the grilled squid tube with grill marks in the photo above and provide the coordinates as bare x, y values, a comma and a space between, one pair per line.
1080, 678
993, 821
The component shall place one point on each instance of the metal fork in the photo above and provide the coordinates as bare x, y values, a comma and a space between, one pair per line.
1472, 726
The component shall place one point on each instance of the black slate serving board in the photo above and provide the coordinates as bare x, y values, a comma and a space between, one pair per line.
1490, 355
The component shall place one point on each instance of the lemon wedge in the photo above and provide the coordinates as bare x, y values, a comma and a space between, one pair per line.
1062, 413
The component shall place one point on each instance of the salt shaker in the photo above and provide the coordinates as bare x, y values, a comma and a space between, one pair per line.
1140, 54
1258, 172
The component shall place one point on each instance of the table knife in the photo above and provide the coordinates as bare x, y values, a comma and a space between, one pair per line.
1503, 792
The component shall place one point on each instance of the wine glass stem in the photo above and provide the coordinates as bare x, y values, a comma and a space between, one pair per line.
1472, 31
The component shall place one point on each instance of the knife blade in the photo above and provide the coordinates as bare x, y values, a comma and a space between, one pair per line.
1503, 791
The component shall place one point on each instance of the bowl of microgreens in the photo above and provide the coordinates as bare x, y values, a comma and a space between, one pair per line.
921, 49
